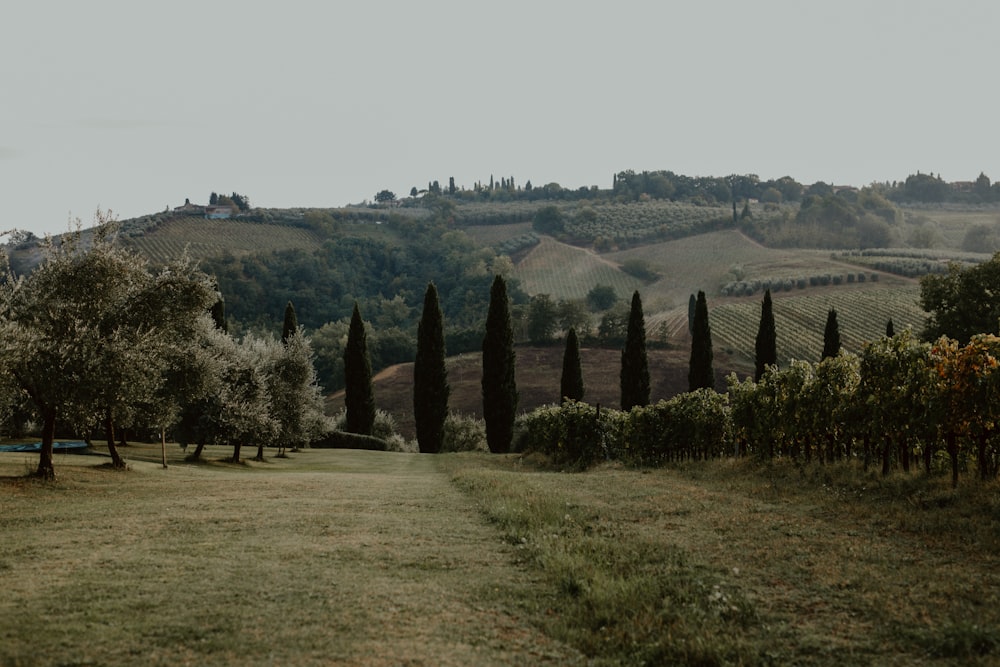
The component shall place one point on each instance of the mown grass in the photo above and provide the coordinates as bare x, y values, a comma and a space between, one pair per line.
367, 558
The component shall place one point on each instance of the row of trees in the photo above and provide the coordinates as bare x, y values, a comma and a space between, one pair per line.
95, 337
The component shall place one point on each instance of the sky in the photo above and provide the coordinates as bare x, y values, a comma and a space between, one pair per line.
135, 106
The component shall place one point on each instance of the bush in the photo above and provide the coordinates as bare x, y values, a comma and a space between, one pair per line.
384, 429
573, 433
694, 425
464, 434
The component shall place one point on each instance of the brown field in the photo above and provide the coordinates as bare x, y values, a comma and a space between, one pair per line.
538, 370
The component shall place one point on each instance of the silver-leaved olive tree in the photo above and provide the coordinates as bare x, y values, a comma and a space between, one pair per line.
93, 333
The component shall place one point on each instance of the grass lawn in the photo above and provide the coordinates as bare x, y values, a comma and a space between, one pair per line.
367, 558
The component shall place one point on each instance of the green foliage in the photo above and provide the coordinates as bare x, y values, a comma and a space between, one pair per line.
542, 320
548, 220
601, 297
359, 395
634, 376
430, 376
571, 380
464, 433
93, 333
690, 426
639, 268
573, 433
498, 383
701, 372
962, 302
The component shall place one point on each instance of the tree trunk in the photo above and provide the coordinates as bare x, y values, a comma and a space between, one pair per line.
904, 453
928, 454
109, 429
887, 455
260, 453
952, 440
196, 454
981, 455
46, 469
236, 452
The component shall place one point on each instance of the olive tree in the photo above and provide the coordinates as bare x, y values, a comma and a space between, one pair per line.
88, 335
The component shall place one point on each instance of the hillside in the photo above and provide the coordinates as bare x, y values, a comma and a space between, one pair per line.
323, 260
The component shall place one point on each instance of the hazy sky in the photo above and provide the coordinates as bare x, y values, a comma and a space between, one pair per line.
134, 106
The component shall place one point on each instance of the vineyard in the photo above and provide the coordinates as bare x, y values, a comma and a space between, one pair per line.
208, 238
566, 272
862, 313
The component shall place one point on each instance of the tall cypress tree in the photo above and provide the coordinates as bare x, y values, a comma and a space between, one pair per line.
291, 324
219, 315
359, 396
692, 303
499, 386
634, 377
430, 376
766, 345
701, 374
831, 336
571, 382
890, 330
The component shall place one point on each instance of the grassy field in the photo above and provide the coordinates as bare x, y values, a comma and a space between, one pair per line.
365, 558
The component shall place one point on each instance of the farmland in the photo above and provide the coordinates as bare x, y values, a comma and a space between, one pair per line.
566, 272
862, 313
207, 238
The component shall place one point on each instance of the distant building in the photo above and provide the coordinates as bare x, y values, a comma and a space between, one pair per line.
189, 209
218, 212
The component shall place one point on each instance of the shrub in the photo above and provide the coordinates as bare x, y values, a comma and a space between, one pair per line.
464, 434
573, 433
694, 425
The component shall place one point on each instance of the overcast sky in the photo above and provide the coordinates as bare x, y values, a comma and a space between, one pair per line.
135, 106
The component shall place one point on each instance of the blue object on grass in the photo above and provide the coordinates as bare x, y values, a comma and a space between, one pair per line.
37, 446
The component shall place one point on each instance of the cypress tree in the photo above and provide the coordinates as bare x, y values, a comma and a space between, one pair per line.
430, 376
890, 330
831, 336
691, 308
359, 397
291, 323
701, 374
766, 345
219, 315
634, 376
499, 386
571, 382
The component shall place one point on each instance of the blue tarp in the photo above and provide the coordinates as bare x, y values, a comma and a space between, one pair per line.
37, 446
